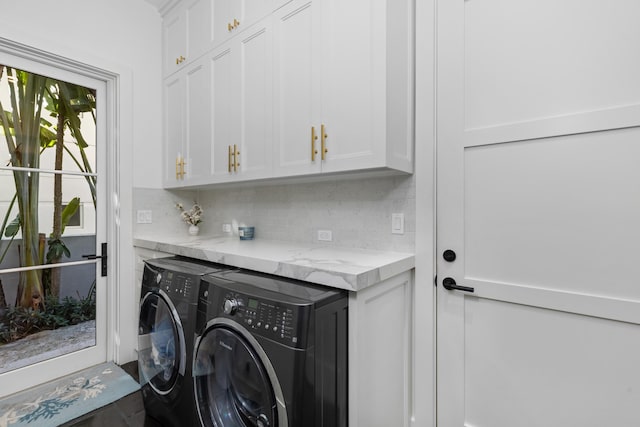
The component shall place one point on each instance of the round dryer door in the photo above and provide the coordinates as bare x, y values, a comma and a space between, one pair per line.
232, 385
160, 344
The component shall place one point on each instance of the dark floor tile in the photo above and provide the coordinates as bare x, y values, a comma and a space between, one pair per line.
109, 416
131, 405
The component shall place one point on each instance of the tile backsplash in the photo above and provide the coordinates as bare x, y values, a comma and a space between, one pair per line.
356, 211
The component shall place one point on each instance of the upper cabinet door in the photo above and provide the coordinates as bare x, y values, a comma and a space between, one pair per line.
231, 17
199, 27
225, 112
343, 86
296, 90
187, 34
173, 129
197, 144
366, 80
174, 35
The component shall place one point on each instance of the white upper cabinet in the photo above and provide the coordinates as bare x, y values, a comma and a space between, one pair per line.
343, 86
174, 41
188, 126
296, 111
285, 88
186, 33
242, 99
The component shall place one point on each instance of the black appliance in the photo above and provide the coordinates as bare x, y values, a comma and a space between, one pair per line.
271, 352
166, 332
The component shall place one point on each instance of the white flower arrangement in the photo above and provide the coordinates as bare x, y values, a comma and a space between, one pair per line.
192, 216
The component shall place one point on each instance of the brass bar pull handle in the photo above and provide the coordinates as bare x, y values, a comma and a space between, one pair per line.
236, 154
323, 142
236, 23
314, 138
182, 172
178, 167
229, 26
229, 159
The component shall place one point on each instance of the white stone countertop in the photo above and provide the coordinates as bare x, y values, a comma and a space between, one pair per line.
338, 267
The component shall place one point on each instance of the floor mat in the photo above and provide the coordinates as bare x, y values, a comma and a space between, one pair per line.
67, 398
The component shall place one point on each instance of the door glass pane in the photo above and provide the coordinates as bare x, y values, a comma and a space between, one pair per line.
47, 216
66, 324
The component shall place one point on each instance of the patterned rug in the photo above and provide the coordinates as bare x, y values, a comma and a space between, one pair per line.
67, 398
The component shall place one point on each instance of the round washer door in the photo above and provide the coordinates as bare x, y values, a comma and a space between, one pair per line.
161, 354
232, 385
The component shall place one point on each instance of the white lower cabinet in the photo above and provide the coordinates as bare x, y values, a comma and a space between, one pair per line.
380, 353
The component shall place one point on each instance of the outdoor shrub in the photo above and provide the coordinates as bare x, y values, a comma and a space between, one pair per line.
18, 322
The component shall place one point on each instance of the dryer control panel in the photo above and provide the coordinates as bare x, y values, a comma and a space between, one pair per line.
178, 284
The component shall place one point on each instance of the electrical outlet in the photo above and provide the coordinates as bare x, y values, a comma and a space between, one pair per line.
226, 228
325, 235
397, 223
144, 217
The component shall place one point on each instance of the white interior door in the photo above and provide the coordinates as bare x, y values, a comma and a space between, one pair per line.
539, 198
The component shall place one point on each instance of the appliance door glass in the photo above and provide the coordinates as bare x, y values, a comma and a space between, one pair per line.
159, 344
232, 385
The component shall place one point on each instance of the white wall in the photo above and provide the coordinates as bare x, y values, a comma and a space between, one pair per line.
122, 34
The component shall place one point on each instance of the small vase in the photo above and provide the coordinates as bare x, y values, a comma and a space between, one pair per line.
194, 230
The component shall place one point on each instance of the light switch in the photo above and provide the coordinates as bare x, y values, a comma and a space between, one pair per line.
397, 223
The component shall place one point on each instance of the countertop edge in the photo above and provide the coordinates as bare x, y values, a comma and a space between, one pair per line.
346, 270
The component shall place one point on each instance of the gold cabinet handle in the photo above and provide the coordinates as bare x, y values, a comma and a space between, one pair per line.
314, 138
236, 23
323, 142
180, 59
236, 154
182, 172
229, 159
230, 26
177, 167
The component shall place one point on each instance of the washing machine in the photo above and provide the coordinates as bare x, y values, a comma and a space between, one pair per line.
166, 332
271, 352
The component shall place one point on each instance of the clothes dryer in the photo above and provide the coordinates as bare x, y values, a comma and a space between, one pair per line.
165, 337
271, 352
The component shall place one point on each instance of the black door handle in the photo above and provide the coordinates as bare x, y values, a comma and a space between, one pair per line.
449, 284
102, 258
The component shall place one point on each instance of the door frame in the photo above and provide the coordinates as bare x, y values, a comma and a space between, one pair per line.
120, 344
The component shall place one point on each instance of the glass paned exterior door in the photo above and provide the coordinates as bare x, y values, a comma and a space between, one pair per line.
51, 208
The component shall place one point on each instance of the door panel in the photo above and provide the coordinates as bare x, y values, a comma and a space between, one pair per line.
530, 366
527, 60
538, 212
538, 196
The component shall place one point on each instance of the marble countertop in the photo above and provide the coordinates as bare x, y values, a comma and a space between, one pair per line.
344, 268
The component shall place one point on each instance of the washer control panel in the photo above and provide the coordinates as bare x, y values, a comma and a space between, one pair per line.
280, 322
